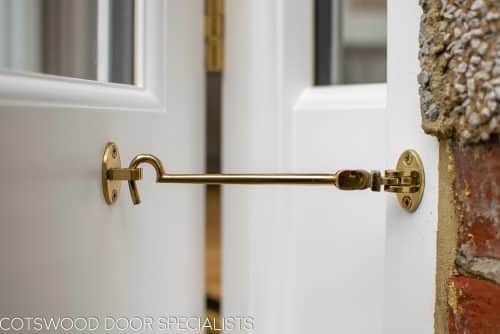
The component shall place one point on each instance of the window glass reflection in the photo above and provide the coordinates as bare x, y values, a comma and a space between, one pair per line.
350, 41
87, 39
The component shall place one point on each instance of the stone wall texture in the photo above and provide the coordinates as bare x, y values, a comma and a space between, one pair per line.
460, 62
460, 104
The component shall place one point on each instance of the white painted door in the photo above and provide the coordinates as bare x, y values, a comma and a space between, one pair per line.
315, 260
63, 251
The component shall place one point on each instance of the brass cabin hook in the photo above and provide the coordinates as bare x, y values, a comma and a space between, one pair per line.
407, 181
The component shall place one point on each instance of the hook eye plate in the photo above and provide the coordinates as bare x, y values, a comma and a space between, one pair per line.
110, 160
409, 161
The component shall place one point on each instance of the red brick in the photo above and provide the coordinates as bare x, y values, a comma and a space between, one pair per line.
477, 196
477, 308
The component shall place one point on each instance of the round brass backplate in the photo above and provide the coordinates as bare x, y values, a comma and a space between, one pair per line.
110, 159
410, 160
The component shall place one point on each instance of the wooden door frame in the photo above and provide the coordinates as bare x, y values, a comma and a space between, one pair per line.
265, 64
410, 262
268, 81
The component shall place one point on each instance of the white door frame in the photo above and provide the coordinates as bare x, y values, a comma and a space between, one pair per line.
267, 83
268, 65
410, 262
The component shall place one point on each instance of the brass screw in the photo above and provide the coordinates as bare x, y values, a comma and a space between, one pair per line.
407, 202
114, 195
114, 152
408, 158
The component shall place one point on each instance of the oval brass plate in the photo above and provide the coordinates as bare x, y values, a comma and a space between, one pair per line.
410, 160
110, 159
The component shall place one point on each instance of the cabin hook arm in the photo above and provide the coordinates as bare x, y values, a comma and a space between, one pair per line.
407, 181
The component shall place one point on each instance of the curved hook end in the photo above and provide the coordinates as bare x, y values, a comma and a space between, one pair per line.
144, 158
134, 193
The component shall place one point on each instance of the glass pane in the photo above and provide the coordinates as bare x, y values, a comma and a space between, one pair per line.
350, 41
87, 39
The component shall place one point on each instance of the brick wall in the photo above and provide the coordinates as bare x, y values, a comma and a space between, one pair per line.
460, 94
474, 286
